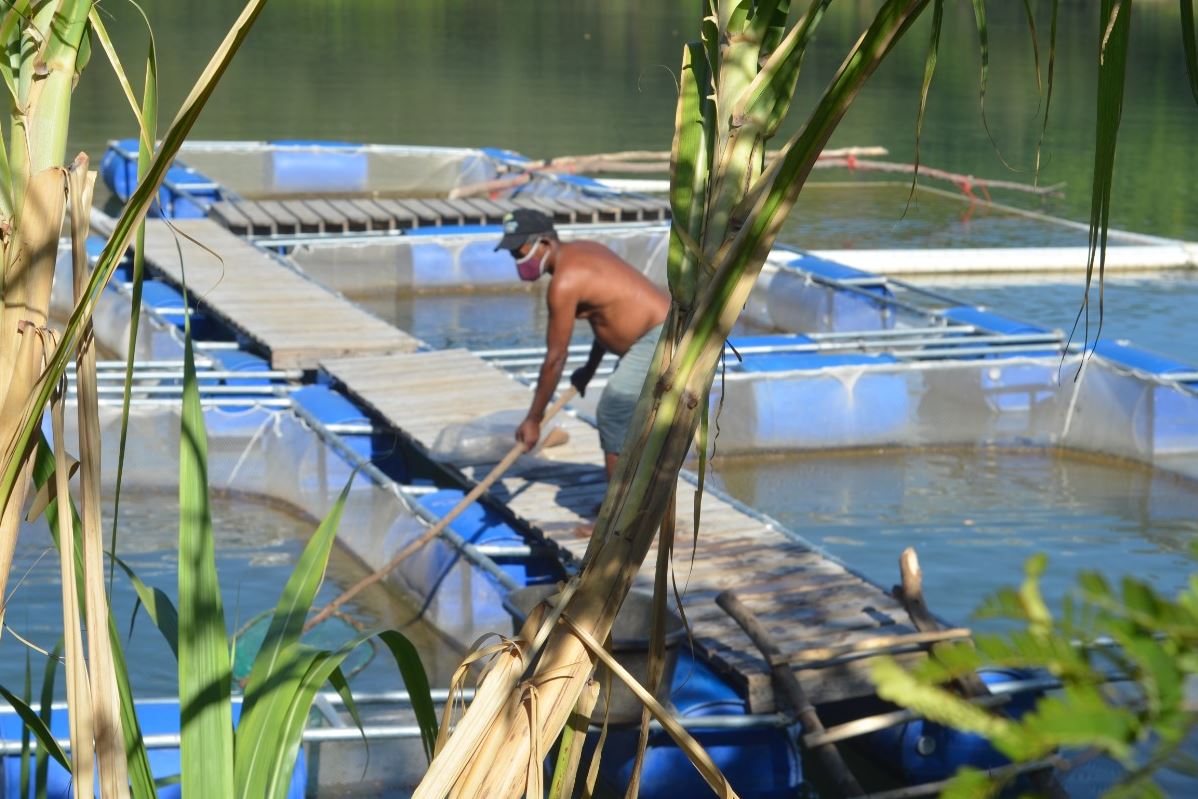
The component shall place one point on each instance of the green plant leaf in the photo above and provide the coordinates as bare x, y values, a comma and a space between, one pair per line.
273, 676
140, 775
39, 728
149, 121
969, 783
1115, 24
929, 69
158, 607
205, 674
415, 680
690, 160
132, 215
45, 712
1188, 44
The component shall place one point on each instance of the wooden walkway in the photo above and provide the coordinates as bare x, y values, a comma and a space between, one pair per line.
802, 598
295, 320
342, 215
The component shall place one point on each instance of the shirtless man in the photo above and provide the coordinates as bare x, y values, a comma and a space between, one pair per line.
625, 310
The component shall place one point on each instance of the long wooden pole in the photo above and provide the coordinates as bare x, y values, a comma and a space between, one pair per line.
784, 678
971, 685
498, 471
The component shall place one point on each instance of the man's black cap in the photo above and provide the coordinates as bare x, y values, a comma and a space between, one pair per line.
520, 225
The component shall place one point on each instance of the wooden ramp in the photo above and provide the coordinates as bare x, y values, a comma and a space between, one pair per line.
805, 600
340, 215
297, 321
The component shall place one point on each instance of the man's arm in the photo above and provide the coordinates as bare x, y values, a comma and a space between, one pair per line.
583, 374
562, 305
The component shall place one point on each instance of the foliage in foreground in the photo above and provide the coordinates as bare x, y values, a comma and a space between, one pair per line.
1129, 633
49, 44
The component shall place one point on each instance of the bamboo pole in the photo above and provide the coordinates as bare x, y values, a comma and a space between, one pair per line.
498, 471
971, 685
846, 784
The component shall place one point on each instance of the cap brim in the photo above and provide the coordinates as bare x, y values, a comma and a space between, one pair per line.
511, 241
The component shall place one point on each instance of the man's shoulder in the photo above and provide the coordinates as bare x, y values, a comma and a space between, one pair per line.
586, 251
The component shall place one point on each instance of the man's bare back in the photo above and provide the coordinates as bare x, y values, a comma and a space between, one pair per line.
591, 282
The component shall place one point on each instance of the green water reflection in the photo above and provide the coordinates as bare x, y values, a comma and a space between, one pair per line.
566, 77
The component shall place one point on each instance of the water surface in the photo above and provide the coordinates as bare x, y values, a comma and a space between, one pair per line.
257, 547
975, 516
574, 77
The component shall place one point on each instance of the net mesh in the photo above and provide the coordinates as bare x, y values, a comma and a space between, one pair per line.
261, 169
448, 263
1102, 409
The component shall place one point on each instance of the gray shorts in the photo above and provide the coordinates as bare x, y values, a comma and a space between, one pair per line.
622, 391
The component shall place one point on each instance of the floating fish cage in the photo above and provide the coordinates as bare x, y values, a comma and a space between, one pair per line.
831, 357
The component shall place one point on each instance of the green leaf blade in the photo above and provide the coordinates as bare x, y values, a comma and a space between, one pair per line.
205, 672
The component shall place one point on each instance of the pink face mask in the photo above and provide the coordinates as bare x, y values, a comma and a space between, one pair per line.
528, 267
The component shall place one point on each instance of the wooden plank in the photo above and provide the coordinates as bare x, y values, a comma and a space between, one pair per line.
447, 213
331, 220
356, 219
380, 218
425, 215
490, 212
228, 214
261, 223
309, 220
284, 221
401, 217
292, 318
561, 213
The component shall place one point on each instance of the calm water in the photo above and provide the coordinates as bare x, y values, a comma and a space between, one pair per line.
257, 547
572, 77
975, 516
1154, 311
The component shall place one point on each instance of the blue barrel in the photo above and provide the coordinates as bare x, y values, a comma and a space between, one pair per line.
1163, 418
1012, 388
241, 361
479, 524
796, 302
923, 751
164, 300
759, 762
184, 193
155, 718
118, 167
329, 407
823, 408
308, 167
95, 245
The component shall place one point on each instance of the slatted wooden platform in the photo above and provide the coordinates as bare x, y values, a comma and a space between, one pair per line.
804, 599
294, 319
340, 215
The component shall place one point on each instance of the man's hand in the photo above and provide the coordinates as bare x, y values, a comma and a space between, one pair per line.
580, 377
528, 433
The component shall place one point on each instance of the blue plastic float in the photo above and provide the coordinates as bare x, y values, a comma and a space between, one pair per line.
299, 166
157, 717
823, 408
1012, 387
185, 193
922, 751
